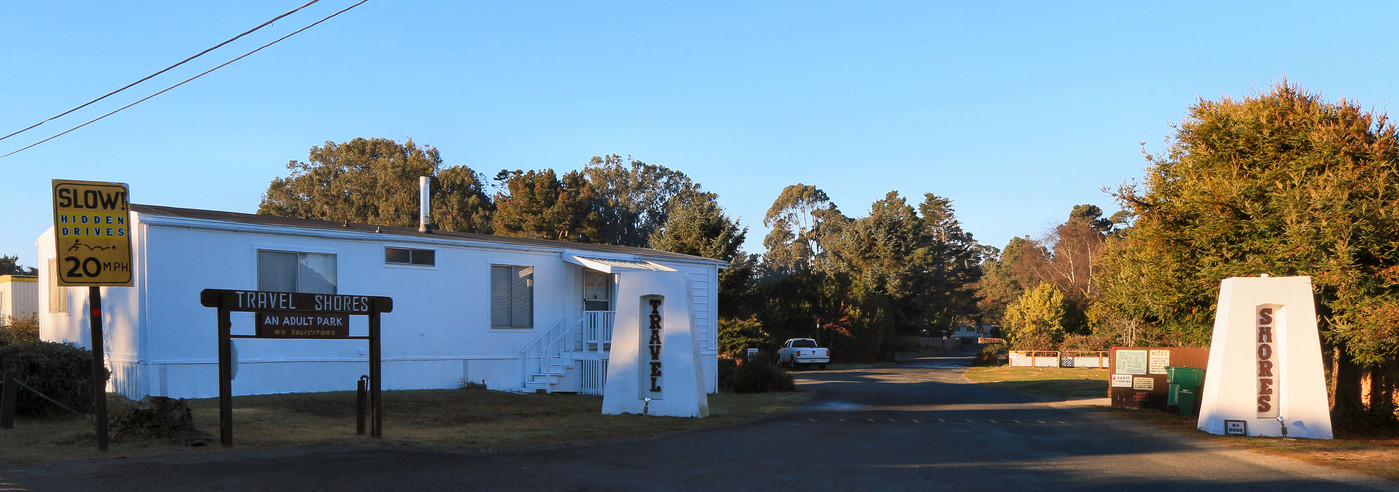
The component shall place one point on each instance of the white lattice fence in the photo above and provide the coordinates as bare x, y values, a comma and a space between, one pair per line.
1045, 358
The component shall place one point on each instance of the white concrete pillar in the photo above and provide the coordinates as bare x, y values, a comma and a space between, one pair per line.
654, 366
1265, 370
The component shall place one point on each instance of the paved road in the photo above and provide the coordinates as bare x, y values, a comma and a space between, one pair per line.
915, 426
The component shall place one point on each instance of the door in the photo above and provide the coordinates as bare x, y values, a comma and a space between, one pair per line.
597, 291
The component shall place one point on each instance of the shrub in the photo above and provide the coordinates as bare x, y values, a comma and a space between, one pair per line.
736, 336
466, 384
762, 376
1085, 343
23, 329
728, 369
989, 354
61, 371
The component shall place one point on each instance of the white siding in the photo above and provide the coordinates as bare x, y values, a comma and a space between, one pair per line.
704, 292
441, 317
160, 340
19, 296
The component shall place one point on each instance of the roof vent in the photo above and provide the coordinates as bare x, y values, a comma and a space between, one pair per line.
423, 182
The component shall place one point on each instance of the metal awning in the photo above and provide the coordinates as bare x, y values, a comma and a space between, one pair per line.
615, 265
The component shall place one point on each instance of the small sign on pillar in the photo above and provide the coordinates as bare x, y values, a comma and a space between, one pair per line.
1267, 378
653, 380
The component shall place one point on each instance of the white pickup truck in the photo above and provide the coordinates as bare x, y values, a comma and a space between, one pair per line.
798, 351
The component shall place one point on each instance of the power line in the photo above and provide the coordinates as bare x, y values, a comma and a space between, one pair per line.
18, 249
13, 245
167, 89
45, 214
148, 77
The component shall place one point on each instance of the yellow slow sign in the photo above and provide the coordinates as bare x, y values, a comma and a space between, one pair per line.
92, 233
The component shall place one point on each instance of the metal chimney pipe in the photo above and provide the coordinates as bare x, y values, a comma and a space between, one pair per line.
423, 206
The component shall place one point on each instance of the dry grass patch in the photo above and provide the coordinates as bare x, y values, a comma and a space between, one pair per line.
1377, 457
468, 420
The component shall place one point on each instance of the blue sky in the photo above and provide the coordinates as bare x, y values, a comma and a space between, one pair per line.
1016, 111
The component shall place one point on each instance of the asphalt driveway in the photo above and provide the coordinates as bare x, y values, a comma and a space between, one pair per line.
919, 425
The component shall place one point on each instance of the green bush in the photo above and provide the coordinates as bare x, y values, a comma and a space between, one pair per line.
61, 371
1085, 343
989, 354
736, 336
728, 369
24, 329
762, 376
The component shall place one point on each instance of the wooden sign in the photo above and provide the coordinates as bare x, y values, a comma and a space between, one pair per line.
292, 324
300, 302
295, 315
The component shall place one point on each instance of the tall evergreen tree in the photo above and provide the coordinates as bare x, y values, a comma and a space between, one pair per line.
701, 228
1281, 183
951, 266
459, 201
798, 220
539, 204
9, 265
1007, 274
636, 198
375, 181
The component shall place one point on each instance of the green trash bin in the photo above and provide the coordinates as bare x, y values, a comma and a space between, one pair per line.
1183, 393
1185, 376
1183, 399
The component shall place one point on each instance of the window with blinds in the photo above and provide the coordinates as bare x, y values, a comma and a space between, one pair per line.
287, 271
512, 296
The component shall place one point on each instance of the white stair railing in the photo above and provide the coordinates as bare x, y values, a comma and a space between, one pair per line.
597, 330
590, 333
546, 345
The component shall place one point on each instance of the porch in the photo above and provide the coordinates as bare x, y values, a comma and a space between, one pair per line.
570, 356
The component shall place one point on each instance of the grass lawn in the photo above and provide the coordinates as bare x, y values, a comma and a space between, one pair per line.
1050, 382
466, 420
1377, 456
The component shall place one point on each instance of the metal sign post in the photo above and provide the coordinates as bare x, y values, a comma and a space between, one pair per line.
92, 241
294, 315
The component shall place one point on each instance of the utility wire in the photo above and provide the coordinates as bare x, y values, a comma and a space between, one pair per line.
167, 69
167, 89
41, 212
18, 249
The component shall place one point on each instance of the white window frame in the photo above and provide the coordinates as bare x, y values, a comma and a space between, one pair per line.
413, 256
58, 294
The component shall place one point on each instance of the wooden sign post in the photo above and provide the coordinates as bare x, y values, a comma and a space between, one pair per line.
294, 315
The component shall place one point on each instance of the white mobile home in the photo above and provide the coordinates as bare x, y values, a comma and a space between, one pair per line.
19, 296
517, 314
